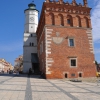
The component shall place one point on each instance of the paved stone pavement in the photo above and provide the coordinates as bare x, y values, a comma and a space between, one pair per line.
35, 88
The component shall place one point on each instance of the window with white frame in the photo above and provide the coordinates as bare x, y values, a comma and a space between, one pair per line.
73, 62
71, 42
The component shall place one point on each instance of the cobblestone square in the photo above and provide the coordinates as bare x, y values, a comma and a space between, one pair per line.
36, 88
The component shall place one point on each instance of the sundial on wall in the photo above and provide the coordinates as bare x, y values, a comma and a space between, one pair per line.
57, 39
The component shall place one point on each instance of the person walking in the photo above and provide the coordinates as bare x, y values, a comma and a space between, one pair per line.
30, 72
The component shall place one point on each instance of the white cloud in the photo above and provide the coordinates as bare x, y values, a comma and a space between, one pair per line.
10, 47
96, 20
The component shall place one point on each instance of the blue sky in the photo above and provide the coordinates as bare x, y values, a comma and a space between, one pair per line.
12, 26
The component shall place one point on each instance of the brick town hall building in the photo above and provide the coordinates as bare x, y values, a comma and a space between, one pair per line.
61, 44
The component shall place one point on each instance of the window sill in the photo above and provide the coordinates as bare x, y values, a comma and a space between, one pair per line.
73, 66
71, 46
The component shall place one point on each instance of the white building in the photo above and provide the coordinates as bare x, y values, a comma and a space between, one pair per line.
30, 39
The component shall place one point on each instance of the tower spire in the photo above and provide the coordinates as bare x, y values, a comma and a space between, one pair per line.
85, 3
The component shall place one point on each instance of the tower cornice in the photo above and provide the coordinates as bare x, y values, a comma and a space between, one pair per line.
31, 10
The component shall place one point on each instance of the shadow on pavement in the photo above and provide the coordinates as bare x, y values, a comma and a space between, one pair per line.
22, 75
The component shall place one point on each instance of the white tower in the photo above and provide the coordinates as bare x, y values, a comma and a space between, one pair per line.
30, 39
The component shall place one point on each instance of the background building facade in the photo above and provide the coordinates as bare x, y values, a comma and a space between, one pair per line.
5, 66
18, 66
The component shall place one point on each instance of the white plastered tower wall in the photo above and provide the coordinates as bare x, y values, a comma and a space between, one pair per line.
31, 23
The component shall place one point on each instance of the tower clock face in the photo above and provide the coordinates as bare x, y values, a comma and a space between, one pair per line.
31, 19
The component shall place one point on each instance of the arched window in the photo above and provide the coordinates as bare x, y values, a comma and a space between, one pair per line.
69, 20
30, 44
78, 19
87, 22
61, 19
52, 19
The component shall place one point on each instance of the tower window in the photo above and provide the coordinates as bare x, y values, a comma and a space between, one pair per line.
32, 44
31, 35
68, 21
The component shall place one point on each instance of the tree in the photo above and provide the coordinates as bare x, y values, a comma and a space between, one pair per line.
96, 62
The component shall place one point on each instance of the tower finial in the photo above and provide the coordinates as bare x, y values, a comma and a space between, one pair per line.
32, 1
74, 2
85, 3
61, 1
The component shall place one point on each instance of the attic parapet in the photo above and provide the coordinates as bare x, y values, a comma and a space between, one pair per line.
73, 3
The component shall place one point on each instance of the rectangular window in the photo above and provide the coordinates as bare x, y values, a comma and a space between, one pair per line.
73, 75
73, 62
71, 42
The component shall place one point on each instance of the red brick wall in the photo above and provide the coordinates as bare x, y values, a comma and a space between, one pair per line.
62, 52
80, 25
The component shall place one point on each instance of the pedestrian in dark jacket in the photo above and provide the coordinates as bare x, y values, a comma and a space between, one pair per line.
30, 72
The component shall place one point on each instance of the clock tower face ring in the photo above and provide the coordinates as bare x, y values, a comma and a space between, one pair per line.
31, 19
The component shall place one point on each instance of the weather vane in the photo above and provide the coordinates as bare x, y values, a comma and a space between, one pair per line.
33, 1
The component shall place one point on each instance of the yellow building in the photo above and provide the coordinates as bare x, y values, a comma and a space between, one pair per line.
5, 66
